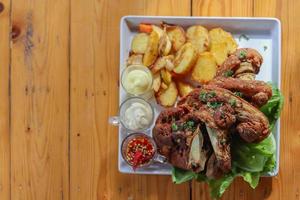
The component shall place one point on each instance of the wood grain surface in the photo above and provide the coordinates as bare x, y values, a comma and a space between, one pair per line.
94, 97
40, 100
59, 65
4, 103
287, 185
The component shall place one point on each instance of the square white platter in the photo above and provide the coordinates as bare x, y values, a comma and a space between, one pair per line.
264, 35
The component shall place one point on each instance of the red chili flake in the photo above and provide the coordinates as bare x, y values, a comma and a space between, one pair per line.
139, 152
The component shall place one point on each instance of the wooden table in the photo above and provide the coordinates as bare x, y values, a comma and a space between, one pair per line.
59, 63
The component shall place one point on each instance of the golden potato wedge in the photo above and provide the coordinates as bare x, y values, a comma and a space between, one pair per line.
135, 59
163, 86
221, 44
205, 68
177, 36
185, 59
159, 64
156, 82
165, 45
184, 88
218, 35
139, 43
163, 62
152, 49
166, 76
167, 97
219, 51
158, 30
169, 62
198, 37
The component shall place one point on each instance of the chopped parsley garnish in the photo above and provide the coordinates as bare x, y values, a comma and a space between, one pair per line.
238, 94
174, 127
242, 55
214, 104
211, 94
243, 36
265, 48
204, 96
232, 102
190, 123
228, 73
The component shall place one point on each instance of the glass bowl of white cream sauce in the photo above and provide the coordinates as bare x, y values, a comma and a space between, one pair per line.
135, 114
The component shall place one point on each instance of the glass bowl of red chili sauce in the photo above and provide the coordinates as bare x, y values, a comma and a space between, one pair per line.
138, 150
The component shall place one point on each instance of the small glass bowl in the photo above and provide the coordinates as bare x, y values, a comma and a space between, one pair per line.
117, 120
148, 93
155, 158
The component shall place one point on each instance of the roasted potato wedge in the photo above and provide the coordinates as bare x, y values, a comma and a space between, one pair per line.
163, 86
198, 37
169, 63
139, 43
220, 39
185, 59
184, 88
158, 30
135, 59
163, 62
152, 49
165, 45
166, 76
159, 64
205, 68
156, 82
218, 35
219, 51
167, 97
177, 36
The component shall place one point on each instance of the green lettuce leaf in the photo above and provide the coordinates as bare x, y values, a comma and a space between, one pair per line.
274, 106
252, 157
219, 186
251, 178
181, 175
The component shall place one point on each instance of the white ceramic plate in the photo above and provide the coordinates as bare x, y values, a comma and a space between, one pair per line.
264, 35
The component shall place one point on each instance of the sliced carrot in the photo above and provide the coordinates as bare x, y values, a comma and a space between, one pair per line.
145, 28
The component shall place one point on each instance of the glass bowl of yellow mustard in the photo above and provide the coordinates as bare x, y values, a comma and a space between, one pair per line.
137, 80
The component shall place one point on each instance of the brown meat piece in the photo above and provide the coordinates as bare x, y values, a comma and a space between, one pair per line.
224, 116
244, 111
162, 132
176, 143
243, 55
258, 92
218, 137
213, 170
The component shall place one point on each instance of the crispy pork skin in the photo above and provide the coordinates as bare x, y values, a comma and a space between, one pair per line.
250, 58
257, 92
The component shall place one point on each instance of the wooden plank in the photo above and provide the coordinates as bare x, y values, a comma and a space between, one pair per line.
238, 189
40, 100
286, 185
94, 97
4, 103
222, 8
